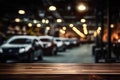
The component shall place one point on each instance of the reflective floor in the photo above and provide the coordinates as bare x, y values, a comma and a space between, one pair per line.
80, 54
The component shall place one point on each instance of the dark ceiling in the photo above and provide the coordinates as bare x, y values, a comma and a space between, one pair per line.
35, 7
9, 10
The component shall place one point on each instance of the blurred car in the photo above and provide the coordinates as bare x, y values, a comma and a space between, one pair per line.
67, 42
48, 45
60, 43
74, 42
21, 47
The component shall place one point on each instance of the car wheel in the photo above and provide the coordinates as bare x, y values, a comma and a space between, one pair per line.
30, 57
40, 57
54, 51
64, 49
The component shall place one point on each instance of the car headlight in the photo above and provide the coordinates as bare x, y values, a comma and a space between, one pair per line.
1, 51
60, 44
49, 44
21, 50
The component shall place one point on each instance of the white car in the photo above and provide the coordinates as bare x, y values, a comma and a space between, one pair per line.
48, 45
21, 47
67, 42
60, 43
74, 42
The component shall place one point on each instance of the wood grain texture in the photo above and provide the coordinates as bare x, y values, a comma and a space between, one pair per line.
58, 71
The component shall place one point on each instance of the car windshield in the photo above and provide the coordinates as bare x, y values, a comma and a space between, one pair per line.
58, 40
66, 40
20, 41
45, 40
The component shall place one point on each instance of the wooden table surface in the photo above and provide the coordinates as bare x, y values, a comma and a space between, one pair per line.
53, 70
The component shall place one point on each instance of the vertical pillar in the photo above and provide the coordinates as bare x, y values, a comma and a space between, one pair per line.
109, 31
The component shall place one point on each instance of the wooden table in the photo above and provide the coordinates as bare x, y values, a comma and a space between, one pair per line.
59, 71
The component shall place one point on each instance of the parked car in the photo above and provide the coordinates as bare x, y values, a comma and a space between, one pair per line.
21, 47
60, 43
74, 42
67, 42
48, 45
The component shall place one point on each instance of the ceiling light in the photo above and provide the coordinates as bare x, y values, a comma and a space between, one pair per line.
84, 25
78, 32
43, 21
21, 12
62, 31
47, 28
47, 21
83, 20
34, 21
71, 25
85, 30
30, 24
81, 7
38, 25
99, 28
112, 25
52, 8
59, 20
64, 28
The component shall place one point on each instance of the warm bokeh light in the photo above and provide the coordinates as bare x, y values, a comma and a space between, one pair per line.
17, 19
38, 25
43, 20
21, 11
112, 25
71, 25
46, 21
78, 32
84, 25
47, 28
98, 31
114, 37
64, 28
83, 20
62, 31
34, 21
81, 7
85, 30
95, 34
52, 8
59, 20
29, 24
99, 28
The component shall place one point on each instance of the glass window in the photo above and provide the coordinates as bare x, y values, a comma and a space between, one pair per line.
20, 41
